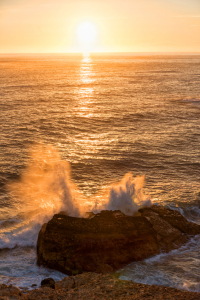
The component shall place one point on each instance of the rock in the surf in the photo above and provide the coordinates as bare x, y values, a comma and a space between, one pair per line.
48, 282
107, 241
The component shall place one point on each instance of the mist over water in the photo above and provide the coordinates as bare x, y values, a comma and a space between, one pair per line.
45, 187
108, 125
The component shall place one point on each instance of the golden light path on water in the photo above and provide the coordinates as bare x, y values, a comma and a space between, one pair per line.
85, 93
86, 110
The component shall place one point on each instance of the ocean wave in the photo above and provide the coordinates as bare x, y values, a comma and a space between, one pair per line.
178, 268
22, 234
195, 101
18, 267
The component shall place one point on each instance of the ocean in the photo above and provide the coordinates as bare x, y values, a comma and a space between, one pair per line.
98, 132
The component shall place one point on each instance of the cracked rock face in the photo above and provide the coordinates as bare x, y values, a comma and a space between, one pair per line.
109, 240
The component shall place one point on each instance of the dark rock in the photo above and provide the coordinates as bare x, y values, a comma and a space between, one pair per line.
63, 213
48, 282
89, 215
9, 292
109, 240
175, 218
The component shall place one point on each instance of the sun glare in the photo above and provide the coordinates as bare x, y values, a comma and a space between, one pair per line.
86, 34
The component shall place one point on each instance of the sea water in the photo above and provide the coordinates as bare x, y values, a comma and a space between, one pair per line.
100, 132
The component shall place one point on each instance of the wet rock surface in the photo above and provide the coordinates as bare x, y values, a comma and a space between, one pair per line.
107, 241
48, 282
97, 286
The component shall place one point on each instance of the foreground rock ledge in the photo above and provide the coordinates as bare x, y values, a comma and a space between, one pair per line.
94, 286
107, 241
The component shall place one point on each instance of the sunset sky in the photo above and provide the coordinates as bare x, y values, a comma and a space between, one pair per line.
51, 26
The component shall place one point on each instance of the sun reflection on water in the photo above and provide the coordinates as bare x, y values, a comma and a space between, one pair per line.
86, 90
86, 73
86, 58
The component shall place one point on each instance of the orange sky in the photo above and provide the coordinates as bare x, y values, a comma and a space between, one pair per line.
46, 26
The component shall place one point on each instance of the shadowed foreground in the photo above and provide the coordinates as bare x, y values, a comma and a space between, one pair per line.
97, 286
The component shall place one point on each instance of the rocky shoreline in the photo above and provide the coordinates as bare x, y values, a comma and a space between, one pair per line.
107, 241
91, 249
97, 286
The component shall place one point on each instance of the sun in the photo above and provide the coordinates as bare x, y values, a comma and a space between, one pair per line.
86, 34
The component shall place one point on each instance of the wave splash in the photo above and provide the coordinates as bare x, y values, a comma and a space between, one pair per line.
127, 195
46, 188
46, 183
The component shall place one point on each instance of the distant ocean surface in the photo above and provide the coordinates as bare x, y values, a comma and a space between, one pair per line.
102, 117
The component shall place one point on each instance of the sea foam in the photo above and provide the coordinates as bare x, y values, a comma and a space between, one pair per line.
46, 188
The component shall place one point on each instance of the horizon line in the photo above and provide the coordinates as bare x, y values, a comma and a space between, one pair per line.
111, 52
102, 53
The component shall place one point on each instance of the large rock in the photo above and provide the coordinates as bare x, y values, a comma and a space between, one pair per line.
109, 240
